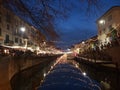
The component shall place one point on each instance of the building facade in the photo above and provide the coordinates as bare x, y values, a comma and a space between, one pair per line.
16, 32
108, 23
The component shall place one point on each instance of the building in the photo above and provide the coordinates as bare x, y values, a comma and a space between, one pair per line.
107, 23
16, 32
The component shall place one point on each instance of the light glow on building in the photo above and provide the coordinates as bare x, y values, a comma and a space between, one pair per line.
102, 21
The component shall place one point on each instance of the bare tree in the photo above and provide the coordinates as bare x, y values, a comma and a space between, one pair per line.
43, 12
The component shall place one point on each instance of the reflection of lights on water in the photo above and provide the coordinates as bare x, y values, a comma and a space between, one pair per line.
41, 81
76, 65
84, 73
44, 74
48, 72
51, 67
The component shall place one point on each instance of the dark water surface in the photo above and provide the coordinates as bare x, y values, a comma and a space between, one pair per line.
99, 73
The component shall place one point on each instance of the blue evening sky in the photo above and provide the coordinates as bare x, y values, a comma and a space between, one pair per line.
79, 25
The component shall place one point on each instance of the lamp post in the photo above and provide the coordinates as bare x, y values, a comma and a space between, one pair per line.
23, 29
102, 27
102, 21
83, 42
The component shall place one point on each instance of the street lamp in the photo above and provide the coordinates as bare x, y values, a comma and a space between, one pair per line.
83, 42
22, 29
102, 21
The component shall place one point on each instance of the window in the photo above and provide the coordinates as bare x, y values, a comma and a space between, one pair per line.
16, 31
16, 40
7, 38
8, 26
20, 41
8, 18
109, 17
0, 32
110, 27
103, 30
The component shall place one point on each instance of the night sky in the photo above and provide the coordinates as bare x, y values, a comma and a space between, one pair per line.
81, 26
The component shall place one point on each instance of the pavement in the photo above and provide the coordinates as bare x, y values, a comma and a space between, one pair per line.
4, 75
113, 52
66, 76
108, 64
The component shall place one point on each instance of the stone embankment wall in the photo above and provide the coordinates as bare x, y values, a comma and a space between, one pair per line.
21, 70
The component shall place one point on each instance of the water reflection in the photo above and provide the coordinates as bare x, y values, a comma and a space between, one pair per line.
105, 76
66, 75
30, 78
32, 82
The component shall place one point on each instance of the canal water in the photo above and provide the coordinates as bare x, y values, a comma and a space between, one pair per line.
94, 72
30, 79
66, 75
102, 74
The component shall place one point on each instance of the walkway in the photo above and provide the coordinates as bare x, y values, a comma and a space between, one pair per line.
67, 76
106, 63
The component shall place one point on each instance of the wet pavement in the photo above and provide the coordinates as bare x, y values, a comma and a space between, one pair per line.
65, 75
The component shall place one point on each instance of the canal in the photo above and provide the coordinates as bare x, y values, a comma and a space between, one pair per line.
66, 75
31, 79
101, 74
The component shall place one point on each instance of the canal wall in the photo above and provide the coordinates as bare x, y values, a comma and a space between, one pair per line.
4, 75
23, 71
101, 72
